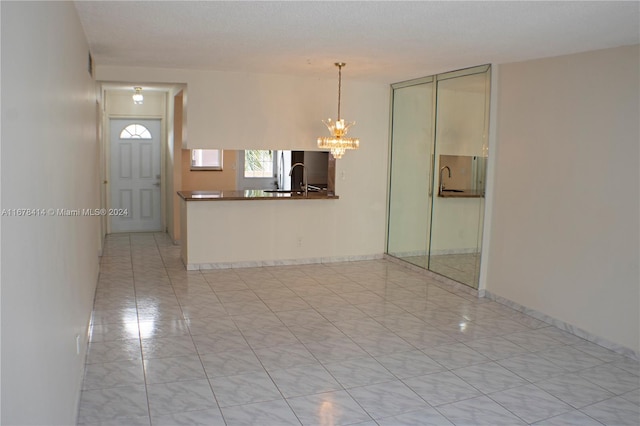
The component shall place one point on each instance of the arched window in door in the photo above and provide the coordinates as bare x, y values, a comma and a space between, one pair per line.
135, 131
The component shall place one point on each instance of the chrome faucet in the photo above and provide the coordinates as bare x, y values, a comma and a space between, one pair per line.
304, 177
441, 182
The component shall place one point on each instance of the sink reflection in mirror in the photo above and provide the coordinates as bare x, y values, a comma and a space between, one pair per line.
466, 173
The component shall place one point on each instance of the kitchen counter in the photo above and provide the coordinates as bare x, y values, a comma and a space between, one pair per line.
462, 193
218, 234
252, 194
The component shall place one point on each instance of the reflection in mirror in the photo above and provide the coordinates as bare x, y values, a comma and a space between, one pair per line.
260, 169
207, 178
206, 159
409, 186
437, 174
272, 170
316, 165
257, 169
465, 174
460, 145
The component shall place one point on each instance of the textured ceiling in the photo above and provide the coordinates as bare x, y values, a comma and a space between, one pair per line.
380, 41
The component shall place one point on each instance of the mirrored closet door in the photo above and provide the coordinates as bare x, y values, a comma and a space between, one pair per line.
437, 175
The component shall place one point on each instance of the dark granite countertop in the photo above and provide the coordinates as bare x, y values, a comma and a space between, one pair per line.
252, 194
461, 193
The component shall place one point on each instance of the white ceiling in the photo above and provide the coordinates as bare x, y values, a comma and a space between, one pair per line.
380, 41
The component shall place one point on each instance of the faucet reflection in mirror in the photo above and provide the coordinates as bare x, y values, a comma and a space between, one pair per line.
304, 184
337, 142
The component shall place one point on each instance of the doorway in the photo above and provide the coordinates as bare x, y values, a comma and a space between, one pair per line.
135, 175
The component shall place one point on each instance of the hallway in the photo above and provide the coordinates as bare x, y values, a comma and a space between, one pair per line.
367, 343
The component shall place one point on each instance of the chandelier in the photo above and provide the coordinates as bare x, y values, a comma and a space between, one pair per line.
337, 142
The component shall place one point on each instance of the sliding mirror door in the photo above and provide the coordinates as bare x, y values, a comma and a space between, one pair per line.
410, 181
459, 176
438, 159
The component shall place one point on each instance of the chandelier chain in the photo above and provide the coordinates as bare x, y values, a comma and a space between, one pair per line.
339, 87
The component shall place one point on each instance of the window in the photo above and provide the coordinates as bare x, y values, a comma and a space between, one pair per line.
206, 159
258, 169
135, 131
259, 163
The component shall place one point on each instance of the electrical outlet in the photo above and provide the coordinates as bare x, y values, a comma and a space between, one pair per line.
299, 242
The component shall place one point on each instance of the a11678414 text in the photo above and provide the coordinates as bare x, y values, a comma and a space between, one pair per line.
63, 212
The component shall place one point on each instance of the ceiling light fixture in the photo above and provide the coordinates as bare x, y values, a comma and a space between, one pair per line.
337, 142
137, 97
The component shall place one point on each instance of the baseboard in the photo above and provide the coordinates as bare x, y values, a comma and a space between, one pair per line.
283, 262
440, 252
414, 253
460, 288
564, 326
439, 280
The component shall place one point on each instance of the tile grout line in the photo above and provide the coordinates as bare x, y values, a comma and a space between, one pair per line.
142, 357
199, 355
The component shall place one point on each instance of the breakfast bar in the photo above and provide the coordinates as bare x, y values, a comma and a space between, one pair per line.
254, 195
240, 228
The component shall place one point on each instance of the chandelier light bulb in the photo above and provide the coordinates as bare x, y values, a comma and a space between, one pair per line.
138, 99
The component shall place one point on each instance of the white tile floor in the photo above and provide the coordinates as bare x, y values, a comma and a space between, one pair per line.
464, 268
361, 343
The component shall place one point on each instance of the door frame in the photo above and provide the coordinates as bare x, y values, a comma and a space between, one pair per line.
106, 154
149, 123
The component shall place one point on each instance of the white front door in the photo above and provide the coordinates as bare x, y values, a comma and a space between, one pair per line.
135, 175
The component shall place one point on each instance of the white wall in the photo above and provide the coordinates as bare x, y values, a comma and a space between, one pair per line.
242, 110
49, 160
565, 219
120, 104
249, 110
